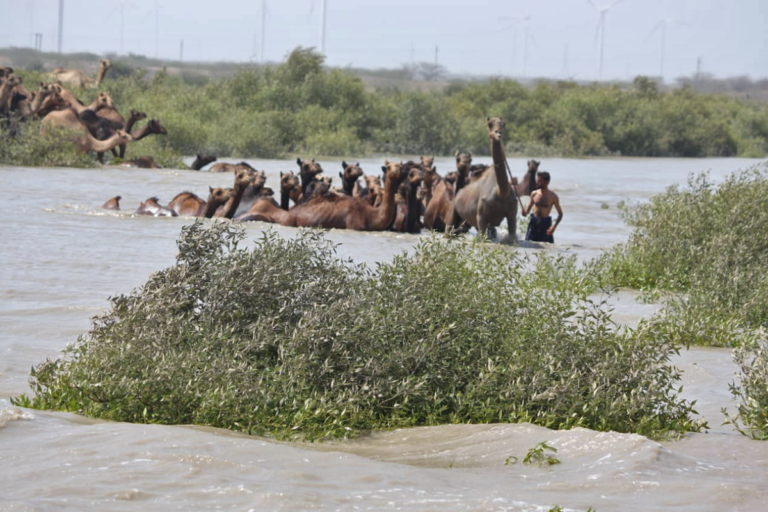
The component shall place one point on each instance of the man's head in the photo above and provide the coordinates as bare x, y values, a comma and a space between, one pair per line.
542, 179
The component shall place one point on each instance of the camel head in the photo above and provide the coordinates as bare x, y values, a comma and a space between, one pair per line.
351, 172
393, 172
267, 192
308, 169
451, 177
325, 179
415, 176
104, 64
137, 116
6, 71
533, 166
430, 176
244, 177
155, 127
203, 160
288, 181
104, 100
12, 80
496, 127
463, 161
220, 195
258, 178
427, 162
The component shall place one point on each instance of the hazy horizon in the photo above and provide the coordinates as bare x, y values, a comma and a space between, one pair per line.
729, 37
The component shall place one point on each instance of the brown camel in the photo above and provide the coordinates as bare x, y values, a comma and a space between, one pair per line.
307, 172
375, 190
111, 120
484, 203
103, 100
88, 143
349, 177
332, 211
112, 204
76, 78
201, 161
7, 84
439, 211
252, 191
152, 207
243, 179
528, 185
36, 101
290, 189
189, 204
409, 222
143, 162
225, 167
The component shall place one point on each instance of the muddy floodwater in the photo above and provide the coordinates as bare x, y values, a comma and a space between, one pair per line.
62, 256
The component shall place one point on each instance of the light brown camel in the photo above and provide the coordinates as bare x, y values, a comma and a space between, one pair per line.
76, 78
439, 211
111, 120
189, 204
36, 101
80, 124
349, 177
103, 100
225, 167
7, 84
485, 202
88, 143
243, 179
153, 208
375, 190
201, 161
290, 189
112, 204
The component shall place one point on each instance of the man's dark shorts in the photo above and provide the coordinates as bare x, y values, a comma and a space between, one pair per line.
537, 229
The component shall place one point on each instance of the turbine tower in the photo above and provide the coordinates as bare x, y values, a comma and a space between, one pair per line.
61, 22
526, 19
600, 31
663, 26
323, 21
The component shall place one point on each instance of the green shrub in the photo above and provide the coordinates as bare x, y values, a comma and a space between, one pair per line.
752, 392
29, 148
707, 245
288, 340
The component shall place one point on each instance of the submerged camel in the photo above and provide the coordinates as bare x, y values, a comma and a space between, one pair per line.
189, 204
487, 201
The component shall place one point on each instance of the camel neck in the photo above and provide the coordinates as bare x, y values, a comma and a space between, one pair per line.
499, 168
386, 212
90, 143
70, 98
348, 186
100, 75
412, 216
210, 207
230, 207
461, 178
285, 198
132, 120
140, 133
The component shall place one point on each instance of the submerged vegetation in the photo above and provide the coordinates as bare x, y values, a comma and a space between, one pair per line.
751, 418
288, 340
300, 106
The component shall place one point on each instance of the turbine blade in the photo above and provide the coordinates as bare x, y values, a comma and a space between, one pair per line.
614, 3
117, 6
506, 28
311, 8
593, 4
533, 39
599, 27
655, 29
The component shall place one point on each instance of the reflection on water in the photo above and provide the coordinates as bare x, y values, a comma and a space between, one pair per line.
63, 256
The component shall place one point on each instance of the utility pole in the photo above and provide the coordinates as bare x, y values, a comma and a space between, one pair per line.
698, 69
61, 22
181, 51
122, 28
565, 62
39, 41
436, 53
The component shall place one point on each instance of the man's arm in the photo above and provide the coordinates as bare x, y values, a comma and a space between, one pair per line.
559, 214
530, 205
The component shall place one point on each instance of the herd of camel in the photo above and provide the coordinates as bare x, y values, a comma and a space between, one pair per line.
405, 198
98, 127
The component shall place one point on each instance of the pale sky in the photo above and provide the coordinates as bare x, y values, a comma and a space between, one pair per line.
730, 36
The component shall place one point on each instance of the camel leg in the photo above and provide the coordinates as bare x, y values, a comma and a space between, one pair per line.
100, 157
122, 150
483, 228
114, 152
455, 224
511, 238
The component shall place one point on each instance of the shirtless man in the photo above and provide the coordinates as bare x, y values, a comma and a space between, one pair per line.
540, 228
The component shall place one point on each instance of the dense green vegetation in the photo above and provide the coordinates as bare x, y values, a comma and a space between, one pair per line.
286, 339
706, 245
301, 107
30, 148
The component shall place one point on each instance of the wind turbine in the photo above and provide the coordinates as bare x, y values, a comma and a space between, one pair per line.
323, 21
663, 26
601, 30
121, 6
526, 19
263, 33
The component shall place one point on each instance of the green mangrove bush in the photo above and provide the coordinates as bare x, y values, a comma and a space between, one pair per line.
30, 148
287, 339
707, 245
752, 391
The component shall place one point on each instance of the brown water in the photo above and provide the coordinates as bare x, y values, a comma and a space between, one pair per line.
62, 256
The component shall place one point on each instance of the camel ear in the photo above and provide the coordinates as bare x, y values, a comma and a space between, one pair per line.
298, 161
456, 154
341, 175
281, 174
357, 164
210, 189
487, 119
386, 162
313, 160
537, 162
470, 155
384, 169
343, 164
434, 168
